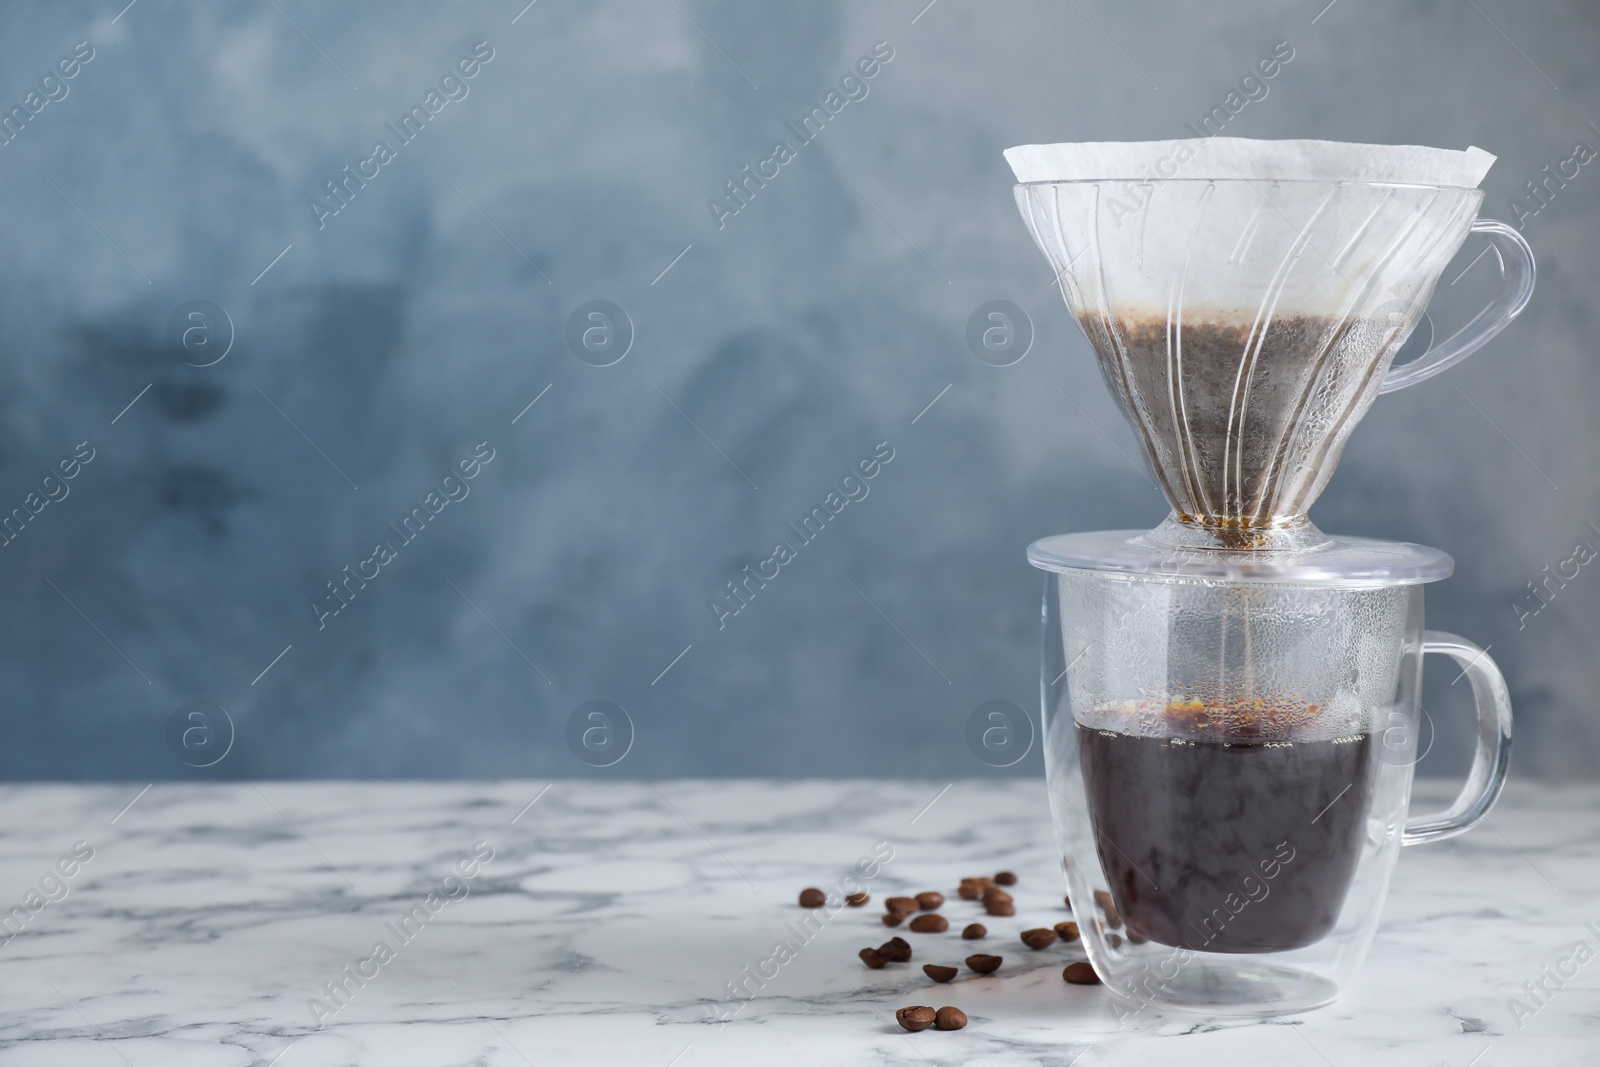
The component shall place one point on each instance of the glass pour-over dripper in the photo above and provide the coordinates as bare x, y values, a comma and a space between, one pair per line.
1247, 325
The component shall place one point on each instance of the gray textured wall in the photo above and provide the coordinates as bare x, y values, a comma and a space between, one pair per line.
775, 353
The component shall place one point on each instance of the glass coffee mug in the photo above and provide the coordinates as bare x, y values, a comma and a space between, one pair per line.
1229, 744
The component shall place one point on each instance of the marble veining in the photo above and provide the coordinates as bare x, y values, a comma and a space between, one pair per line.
605, 923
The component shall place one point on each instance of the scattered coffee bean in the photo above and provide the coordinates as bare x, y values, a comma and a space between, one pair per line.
872, 958
896, 950
997, 901
894, 918
855, 900
930, 924
914, 1019
812, 898
1005, 878
984, 964
1043, 937
1067, 931
901, 904
1135, 939
948, 1018
1113, 940
1107, 905
938, 973
972, 888
992, 892
1080, 973
974, 931
930, 901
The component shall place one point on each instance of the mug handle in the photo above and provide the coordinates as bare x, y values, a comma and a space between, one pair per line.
1516, 288
1488, 772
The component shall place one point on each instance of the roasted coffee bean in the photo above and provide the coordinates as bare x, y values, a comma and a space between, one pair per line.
1113, 940
1080, 974
984, 964
1107, 905
974, 931
1135, 939
812, 898
872, 958
855, 900
914, 1019
896, 950
938, 973
1067, 931
1043, 937
998, 902
948, 1018
930, 924
894, 918
969, 889
930, 901
1005, 878
901, 904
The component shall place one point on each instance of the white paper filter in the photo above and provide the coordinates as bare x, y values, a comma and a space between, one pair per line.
1310, 227
1240, 157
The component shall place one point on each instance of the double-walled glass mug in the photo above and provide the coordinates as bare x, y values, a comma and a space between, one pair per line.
1229, 744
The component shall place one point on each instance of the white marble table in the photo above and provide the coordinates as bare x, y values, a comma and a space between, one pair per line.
611, 915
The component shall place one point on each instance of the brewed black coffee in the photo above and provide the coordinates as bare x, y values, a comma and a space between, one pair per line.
1244, 845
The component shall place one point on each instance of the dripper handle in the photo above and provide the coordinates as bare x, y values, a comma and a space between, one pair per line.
1516, 288
1489, 764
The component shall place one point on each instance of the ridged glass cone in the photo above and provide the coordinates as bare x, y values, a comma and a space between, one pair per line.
1245, 326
